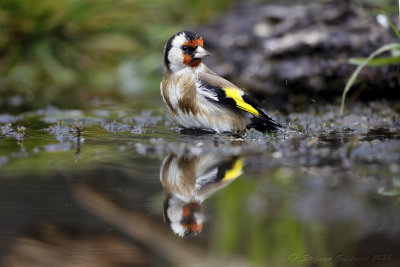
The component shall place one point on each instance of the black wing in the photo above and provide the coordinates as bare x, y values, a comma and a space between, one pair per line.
229, 95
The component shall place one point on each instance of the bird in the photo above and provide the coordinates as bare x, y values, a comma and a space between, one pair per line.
198, 98
187, 180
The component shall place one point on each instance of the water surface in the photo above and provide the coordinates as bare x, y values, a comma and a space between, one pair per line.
114, 185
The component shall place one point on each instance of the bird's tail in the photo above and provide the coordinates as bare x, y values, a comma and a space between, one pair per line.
264, 124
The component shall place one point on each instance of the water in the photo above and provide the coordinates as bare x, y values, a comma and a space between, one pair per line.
100, 187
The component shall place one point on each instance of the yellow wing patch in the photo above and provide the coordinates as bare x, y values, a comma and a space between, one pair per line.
235, 94
235, 171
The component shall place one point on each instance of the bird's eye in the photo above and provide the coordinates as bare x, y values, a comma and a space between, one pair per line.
185, 48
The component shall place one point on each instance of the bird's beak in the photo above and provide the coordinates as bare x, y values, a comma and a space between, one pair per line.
201, 52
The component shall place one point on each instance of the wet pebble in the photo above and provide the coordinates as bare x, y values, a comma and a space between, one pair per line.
14, 132
63, 133
116, 127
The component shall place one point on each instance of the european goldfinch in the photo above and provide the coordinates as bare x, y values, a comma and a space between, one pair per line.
198, 98
187, 182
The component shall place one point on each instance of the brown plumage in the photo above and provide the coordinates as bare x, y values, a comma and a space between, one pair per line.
187, 181
198, 98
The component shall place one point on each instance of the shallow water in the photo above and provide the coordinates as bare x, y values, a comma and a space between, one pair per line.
91, 187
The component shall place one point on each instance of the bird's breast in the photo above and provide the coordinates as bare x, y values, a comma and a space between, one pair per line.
192, 110
179, 92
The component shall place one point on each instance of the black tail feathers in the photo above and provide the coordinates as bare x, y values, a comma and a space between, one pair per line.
264, 124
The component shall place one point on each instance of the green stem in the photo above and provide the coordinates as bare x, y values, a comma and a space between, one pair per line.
353, 77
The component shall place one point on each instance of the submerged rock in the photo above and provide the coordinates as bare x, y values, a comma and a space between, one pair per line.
63, 133
8, 130
116, 127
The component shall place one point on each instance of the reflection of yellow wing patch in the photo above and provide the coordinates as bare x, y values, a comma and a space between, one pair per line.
235, 171
235, 94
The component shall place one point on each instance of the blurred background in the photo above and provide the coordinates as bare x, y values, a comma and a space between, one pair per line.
84, 134
64, 52
67, 52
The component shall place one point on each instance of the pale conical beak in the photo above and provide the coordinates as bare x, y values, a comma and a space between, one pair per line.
201, 52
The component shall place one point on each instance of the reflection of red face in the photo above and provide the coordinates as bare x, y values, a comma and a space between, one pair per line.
187, 59
188, 220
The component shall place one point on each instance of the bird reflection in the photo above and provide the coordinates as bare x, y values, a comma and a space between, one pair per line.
187, 181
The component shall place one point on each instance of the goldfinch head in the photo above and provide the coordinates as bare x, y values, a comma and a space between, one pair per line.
184, 218
184, 49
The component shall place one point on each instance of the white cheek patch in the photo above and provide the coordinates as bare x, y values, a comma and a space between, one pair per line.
174, 213
175, 55
175, 58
